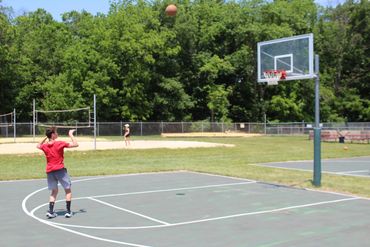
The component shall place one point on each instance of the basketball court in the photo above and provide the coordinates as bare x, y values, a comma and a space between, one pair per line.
181, 209
359, 166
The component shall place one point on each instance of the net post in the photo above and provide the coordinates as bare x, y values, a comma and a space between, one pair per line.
141, 128
121, 128
15, 125
94, 121
33, 119
317, 129
89, 117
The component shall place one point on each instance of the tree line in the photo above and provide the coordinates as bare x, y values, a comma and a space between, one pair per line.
199, 65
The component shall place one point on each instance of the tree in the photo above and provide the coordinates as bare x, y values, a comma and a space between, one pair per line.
171, 102
218, 103
7, 87
38, 47
284, 109
144, 65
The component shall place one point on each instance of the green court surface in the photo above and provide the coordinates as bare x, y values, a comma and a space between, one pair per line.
182, 209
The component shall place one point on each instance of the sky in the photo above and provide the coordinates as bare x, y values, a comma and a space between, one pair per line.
57, 7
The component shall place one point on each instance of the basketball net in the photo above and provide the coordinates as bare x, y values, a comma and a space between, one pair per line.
274, 76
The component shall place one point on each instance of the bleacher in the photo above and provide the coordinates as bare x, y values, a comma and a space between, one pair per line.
352, 136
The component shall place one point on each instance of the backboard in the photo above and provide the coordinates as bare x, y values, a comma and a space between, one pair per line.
294, 55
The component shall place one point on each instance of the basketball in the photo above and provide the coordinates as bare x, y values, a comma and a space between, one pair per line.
171, 10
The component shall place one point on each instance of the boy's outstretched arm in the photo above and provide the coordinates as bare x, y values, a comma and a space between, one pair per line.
74, 141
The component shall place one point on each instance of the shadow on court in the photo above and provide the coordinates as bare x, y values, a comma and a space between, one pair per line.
182, 209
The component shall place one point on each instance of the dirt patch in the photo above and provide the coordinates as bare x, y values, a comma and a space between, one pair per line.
39, 138
22, 148
210, 134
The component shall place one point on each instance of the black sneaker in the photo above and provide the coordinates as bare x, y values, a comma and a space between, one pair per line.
51, 215
69, 214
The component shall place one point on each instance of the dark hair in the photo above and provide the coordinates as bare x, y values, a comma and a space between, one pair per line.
50, 131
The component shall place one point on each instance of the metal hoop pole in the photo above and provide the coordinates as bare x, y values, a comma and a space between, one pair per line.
317, 129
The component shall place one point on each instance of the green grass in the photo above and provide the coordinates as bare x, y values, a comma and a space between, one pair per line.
237, 161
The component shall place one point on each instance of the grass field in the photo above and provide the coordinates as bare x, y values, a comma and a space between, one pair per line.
231, 161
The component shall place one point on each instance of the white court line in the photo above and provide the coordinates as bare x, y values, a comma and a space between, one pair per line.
129, 211
353, 171
70, 230
310, 170
166, 190
211, 219
52, 224
60, 226
141, 192
221, 176
314, 190
281, 167
87, 178
352, 175
345, 159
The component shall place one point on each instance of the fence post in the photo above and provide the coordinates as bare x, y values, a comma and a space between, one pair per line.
121, 128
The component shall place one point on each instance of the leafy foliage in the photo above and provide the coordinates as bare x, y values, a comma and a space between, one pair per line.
200, 64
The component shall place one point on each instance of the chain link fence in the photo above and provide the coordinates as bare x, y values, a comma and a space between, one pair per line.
157, 128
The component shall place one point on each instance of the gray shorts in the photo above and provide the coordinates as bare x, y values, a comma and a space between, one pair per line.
61, 176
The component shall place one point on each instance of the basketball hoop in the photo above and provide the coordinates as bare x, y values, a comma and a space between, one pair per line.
274, 76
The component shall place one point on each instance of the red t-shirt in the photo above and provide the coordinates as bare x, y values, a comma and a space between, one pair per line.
54, 153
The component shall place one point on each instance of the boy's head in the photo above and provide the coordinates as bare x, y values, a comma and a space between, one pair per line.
51, 132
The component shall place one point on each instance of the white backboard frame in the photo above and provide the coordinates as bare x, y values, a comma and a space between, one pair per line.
288, 58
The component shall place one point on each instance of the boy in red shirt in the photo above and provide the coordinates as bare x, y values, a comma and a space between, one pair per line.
55, 170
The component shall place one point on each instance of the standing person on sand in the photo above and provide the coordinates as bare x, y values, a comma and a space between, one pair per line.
55, 170
126, 134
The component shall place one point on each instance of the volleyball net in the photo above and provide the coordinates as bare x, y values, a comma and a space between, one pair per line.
8, 125
7, 119
67, 118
